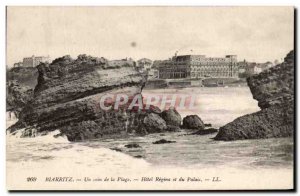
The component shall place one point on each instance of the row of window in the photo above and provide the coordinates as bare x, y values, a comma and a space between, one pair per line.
212, 69
213, 63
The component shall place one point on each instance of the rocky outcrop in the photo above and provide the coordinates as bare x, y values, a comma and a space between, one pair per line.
172, 117
163, 141
17, 96
274, 86
133, 145
274, 91
153, 123
19, 87
138, 156
193, 122
25, 76
67, 97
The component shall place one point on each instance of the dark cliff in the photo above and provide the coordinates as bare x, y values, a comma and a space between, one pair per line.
67, 97
17, 97
274, 91
25, 76
19, 87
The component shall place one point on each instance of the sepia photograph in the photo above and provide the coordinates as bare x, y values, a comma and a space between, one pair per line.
150, 98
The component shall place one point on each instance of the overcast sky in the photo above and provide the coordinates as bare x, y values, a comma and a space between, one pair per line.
253, 33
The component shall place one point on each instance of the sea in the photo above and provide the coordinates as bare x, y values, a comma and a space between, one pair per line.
259, 161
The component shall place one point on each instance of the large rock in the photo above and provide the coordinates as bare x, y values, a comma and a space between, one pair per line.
274, 86
67, 97
193, 122
270, 122
172, 117
153, 123
274, 91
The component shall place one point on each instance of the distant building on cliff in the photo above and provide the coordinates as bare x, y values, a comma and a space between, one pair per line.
144, 64
153, 73
253, 68
35, 60
256, 68
199, 66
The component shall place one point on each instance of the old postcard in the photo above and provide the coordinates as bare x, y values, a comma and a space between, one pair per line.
150, 98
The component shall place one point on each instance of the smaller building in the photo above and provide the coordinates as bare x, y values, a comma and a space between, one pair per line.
153, 73
253, 68
144, 64
242, 70
257, 69
249, 68
33, 61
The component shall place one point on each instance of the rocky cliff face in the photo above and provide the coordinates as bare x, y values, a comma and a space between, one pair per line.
25, 76
18, 96
67, 97
274, 91
19, 87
